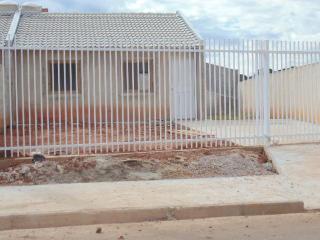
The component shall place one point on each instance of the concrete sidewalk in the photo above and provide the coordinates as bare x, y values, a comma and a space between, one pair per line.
90, 203
300, 166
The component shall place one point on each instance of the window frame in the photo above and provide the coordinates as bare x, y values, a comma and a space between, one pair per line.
150, 69
78, 79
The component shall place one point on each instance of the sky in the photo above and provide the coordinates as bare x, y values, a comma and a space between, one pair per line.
231, 19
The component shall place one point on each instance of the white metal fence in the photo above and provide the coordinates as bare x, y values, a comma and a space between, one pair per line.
138, 98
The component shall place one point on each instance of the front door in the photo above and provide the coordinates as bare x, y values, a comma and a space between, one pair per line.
183, 89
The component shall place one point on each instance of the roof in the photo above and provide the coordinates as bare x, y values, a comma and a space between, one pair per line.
5, 21
99, 30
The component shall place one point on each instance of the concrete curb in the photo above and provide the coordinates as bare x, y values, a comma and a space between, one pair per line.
103, 216
271, 158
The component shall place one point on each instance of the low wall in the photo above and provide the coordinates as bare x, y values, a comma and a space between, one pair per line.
294, 93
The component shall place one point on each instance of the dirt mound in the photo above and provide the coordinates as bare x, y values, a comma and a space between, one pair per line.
147, 166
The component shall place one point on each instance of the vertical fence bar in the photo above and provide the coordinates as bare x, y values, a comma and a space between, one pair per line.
257, 92
83, 101
41, 99
245, 77
88, 108
215, 88
253, 90
244, 100
173, 92
133, 92
10, 98
59, 101
47, 96
64, 89
317, 49
170, 94
186, 90
17, 101
219, 94
29, 99
196, 52
70, 103
77, 99
278, 99
100, 100
127, 94
228, 92
144, 100
266, 92
139, 100
106, 93
200, 57
317, 89
34, 76
225, 91
235, 79
94, 92
304, 90
240, 106
122, 97
154, 94
209, 82
165, 93
180, 85
151, 143
312, 85
287, 86
205, 100
192, 70
23, 101
160, 74
111, 98
296, 86
312, 100
3, 52
53, 101
290, 85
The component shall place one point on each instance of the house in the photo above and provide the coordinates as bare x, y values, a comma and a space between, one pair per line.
98, 67
222, 84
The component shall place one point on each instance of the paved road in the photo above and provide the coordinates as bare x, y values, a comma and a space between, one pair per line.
304, 226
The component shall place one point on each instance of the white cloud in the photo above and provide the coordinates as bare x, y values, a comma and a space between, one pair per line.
276, 19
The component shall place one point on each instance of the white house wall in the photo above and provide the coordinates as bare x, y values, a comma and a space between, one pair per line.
33, 100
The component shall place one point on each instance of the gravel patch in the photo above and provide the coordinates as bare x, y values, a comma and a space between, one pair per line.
142, 166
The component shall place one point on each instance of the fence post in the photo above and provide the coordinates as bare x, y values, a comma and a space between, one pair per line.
266, 92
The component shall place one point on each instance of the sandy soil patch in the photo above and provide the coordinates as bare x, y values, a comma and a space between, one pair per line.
142, 166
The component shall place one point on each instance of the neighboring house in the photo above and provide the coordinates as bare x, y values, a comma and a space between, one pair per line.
63, 57
223, 91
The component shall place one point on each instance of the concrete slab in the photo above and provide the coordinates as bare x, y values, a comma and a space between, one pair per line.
250, 132
156, 195
300, 166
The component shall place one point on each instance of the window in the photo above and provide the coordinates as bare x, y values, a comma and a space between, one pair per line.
137, 77
63, 76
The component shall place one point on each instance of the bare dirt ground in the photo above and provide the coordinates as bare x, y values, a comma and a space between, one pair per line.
142, 166
129, 136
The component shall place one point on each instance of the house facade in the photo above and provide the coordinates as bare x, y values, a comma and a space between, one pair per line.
62, 67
